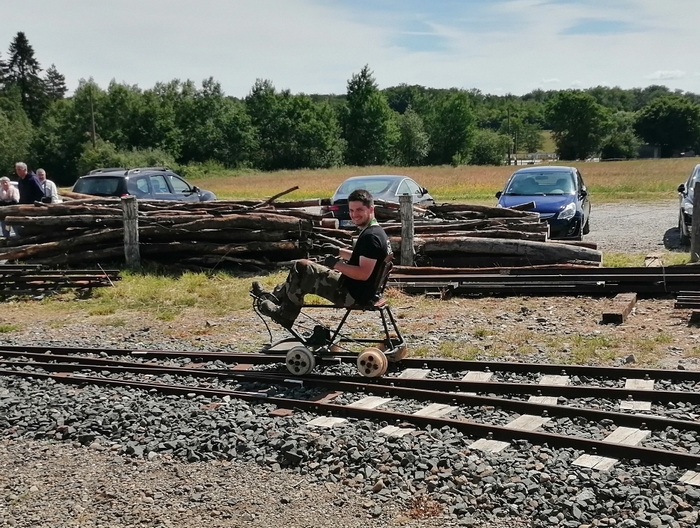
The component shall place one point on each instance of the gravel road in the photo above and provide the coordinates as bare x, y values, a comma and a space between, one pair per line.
635, 227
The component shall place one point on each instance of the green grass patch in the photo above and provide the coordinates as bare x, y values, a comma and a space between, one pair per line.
8, 328
629, 260
592, 349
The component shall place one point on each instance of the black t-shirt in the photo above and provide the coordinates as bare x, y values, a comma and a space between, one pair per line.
374, 244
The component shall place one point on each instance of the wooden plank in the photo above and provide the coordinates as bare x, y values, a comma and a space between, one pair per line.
631, 405
489, 446
414, 373
639, 384
622, 305
626, 436
477, 375
691, 477
392, 430
369, 402
622, 436
326, 421
553, 379
435, 410
544, 400
527, 422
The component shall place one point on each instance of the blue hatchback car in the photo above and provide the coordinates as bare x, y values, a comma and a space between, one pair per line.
559, 195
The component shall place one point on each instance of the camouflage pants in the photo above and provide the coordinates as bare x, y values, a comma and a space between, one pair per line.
309, 277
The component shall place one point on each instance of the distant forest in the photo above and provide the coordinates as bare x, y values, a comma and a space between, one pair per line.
198, 129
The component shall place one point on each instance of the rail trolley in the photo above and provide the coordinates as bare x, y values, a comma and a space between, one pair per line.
303, 348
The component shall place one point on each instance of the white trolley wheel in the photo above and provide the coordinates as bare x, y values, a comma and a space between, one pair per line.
372, 363
300, 361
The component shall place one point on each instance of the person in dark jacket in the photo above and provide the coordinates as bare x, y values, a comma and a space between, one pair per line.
30, 189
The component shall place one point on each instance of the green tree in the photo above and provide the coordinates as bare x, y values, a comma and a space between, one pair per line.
292, 131
489, 148
23, 71
579, 124
55, 84
530, 138
16, 132
622, 142
369, 124
452, 129
413, 144
670, 122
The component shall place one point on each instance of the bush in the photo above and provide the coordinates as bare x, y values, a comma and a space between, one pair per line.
105, 154
489, 148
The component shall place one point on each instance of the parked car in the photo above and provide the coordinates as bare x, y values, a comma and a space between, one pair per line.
685, 212
559, 195
386, 187
147, 183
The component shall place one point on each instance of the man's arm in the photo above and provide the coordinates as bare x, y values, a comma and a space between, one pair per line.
361, 272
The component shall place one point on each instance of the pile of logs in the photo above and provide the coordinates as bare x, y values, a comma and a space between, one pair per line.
260, 235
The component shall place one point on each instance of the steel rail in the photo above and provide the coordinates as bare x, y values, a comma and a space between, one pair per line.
645, 454
450, 365
417, 393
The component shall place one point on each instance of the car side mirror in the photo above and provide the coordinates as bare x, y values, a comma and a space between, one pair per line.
499, 194
681, 188
423, 190
584, 193
195, 188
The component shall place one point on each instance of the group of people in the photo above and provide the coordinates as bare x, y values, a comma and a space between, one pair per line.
30, 188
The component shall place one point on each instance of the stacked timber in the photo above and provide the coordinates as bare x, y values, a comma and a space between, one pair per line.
476, 236
253, 235
261, 235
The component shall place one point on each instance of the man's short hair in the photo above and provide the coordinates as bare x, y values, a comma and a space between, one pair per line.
40, 171
361, 195
4, 178
21, 165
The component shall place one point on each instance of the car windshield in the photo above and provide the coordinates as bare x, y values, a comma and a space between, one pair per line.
373, 185
539, 183
101, 186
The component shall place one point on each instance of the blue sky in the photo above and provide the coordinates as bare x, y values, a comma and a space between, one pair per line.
314, 46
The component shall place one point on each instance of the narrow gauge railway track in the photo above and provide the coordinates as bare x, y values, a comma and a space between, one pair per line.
447, 365
415, 389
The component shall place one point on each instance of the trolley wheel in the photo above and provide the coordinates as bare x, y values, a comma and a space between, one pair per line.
300, 360
372, 363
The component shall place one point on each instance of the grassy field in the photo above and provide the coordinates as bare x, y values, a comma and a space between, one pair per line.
645, 180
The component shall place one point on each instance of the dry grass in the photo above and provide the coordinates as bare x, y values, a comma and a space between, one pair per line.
611, 181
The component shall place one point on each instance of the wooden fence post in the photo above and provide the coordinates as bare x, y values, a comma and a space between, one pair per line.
130, 210
406, 211
695, 226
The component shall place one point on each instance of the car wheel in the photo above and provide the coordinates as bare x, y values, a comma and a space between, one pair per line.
587, 227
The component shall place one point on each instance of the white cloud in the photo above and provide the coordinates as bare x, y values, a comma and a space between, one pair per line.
664, 75
576, 84
314, 46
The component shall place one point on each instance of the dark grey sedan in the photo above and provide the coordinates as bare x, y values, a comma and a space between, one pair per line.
386, 187
146, 183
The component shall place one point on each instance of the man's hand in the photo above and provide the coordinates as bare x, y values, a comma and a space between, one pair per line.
331, 249
330, 261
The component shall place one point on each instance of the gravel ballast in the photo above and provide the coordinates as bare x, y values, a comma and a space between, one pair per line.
89, 456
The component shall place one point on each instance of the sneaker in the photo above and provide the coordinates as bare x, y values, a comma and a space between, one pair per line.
275, 313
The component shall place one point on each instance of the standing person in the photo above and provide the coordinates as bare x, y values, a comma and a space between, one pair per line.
9, 195
347, 277
49, 187
30, 189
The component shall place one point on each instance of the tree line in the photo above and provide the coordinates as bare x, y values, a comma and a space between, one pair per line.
197, 127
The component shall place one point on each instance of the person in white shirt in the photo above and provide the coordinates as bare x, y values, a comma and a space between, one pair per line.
49, 187
9, 195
